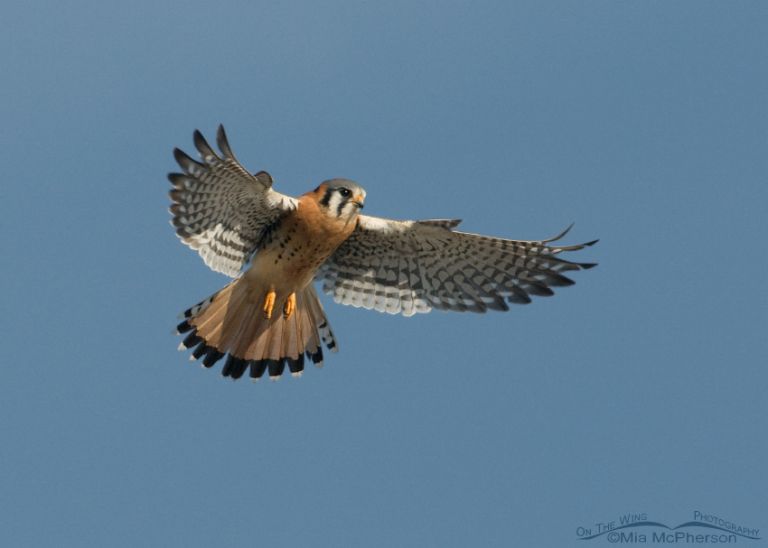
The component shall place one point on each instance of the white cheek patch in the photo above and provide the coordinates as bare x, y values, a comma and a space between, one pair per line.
334, 203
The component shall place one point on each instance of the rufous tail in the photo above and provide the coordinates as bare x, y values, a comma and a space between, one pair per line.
232, 323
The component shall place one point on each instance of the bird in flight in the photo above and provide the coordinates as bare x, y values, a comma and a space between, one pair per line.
274, 246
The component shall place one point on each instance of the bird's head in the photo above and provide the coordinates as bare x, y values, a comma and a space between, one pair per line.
341, 198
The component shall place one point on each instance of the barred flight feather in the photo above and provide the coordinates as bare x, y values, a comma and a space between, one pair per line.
408, 267
219, 209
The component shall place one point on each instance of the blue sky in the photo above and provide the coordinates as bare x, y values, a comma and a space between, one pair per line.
640, 389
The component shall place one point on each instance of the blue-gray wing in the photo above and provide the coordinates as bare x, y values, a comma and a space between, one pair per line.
405, 267
221, 210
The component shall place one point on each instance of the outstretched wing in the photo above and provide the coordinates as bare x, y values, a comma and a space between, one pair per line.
405, 267
220, 209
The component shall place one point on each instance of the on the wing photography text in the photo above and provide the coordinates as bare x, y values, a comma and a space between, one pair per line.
638, 528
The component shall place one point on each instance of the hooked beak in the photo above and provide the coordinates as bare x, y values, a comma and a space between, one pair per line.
358, 201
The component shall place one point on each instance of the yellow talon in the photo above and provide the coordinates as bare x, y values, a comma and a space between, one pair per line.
290, 305
269, 303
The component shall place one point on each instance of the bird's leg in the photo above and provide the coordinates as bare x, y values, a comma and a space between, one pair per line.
290, 305
269, 303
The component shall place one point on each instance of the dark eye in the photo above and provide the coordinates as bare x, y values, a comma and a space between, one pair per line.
345, 192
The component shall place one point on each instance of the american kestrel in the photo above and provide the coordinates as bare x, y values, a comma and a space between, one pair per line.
270, 316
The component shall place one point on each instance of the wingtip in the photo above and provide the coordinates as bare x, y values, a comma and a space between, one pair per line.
188, 165
223, 142
561, 235
202, 146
